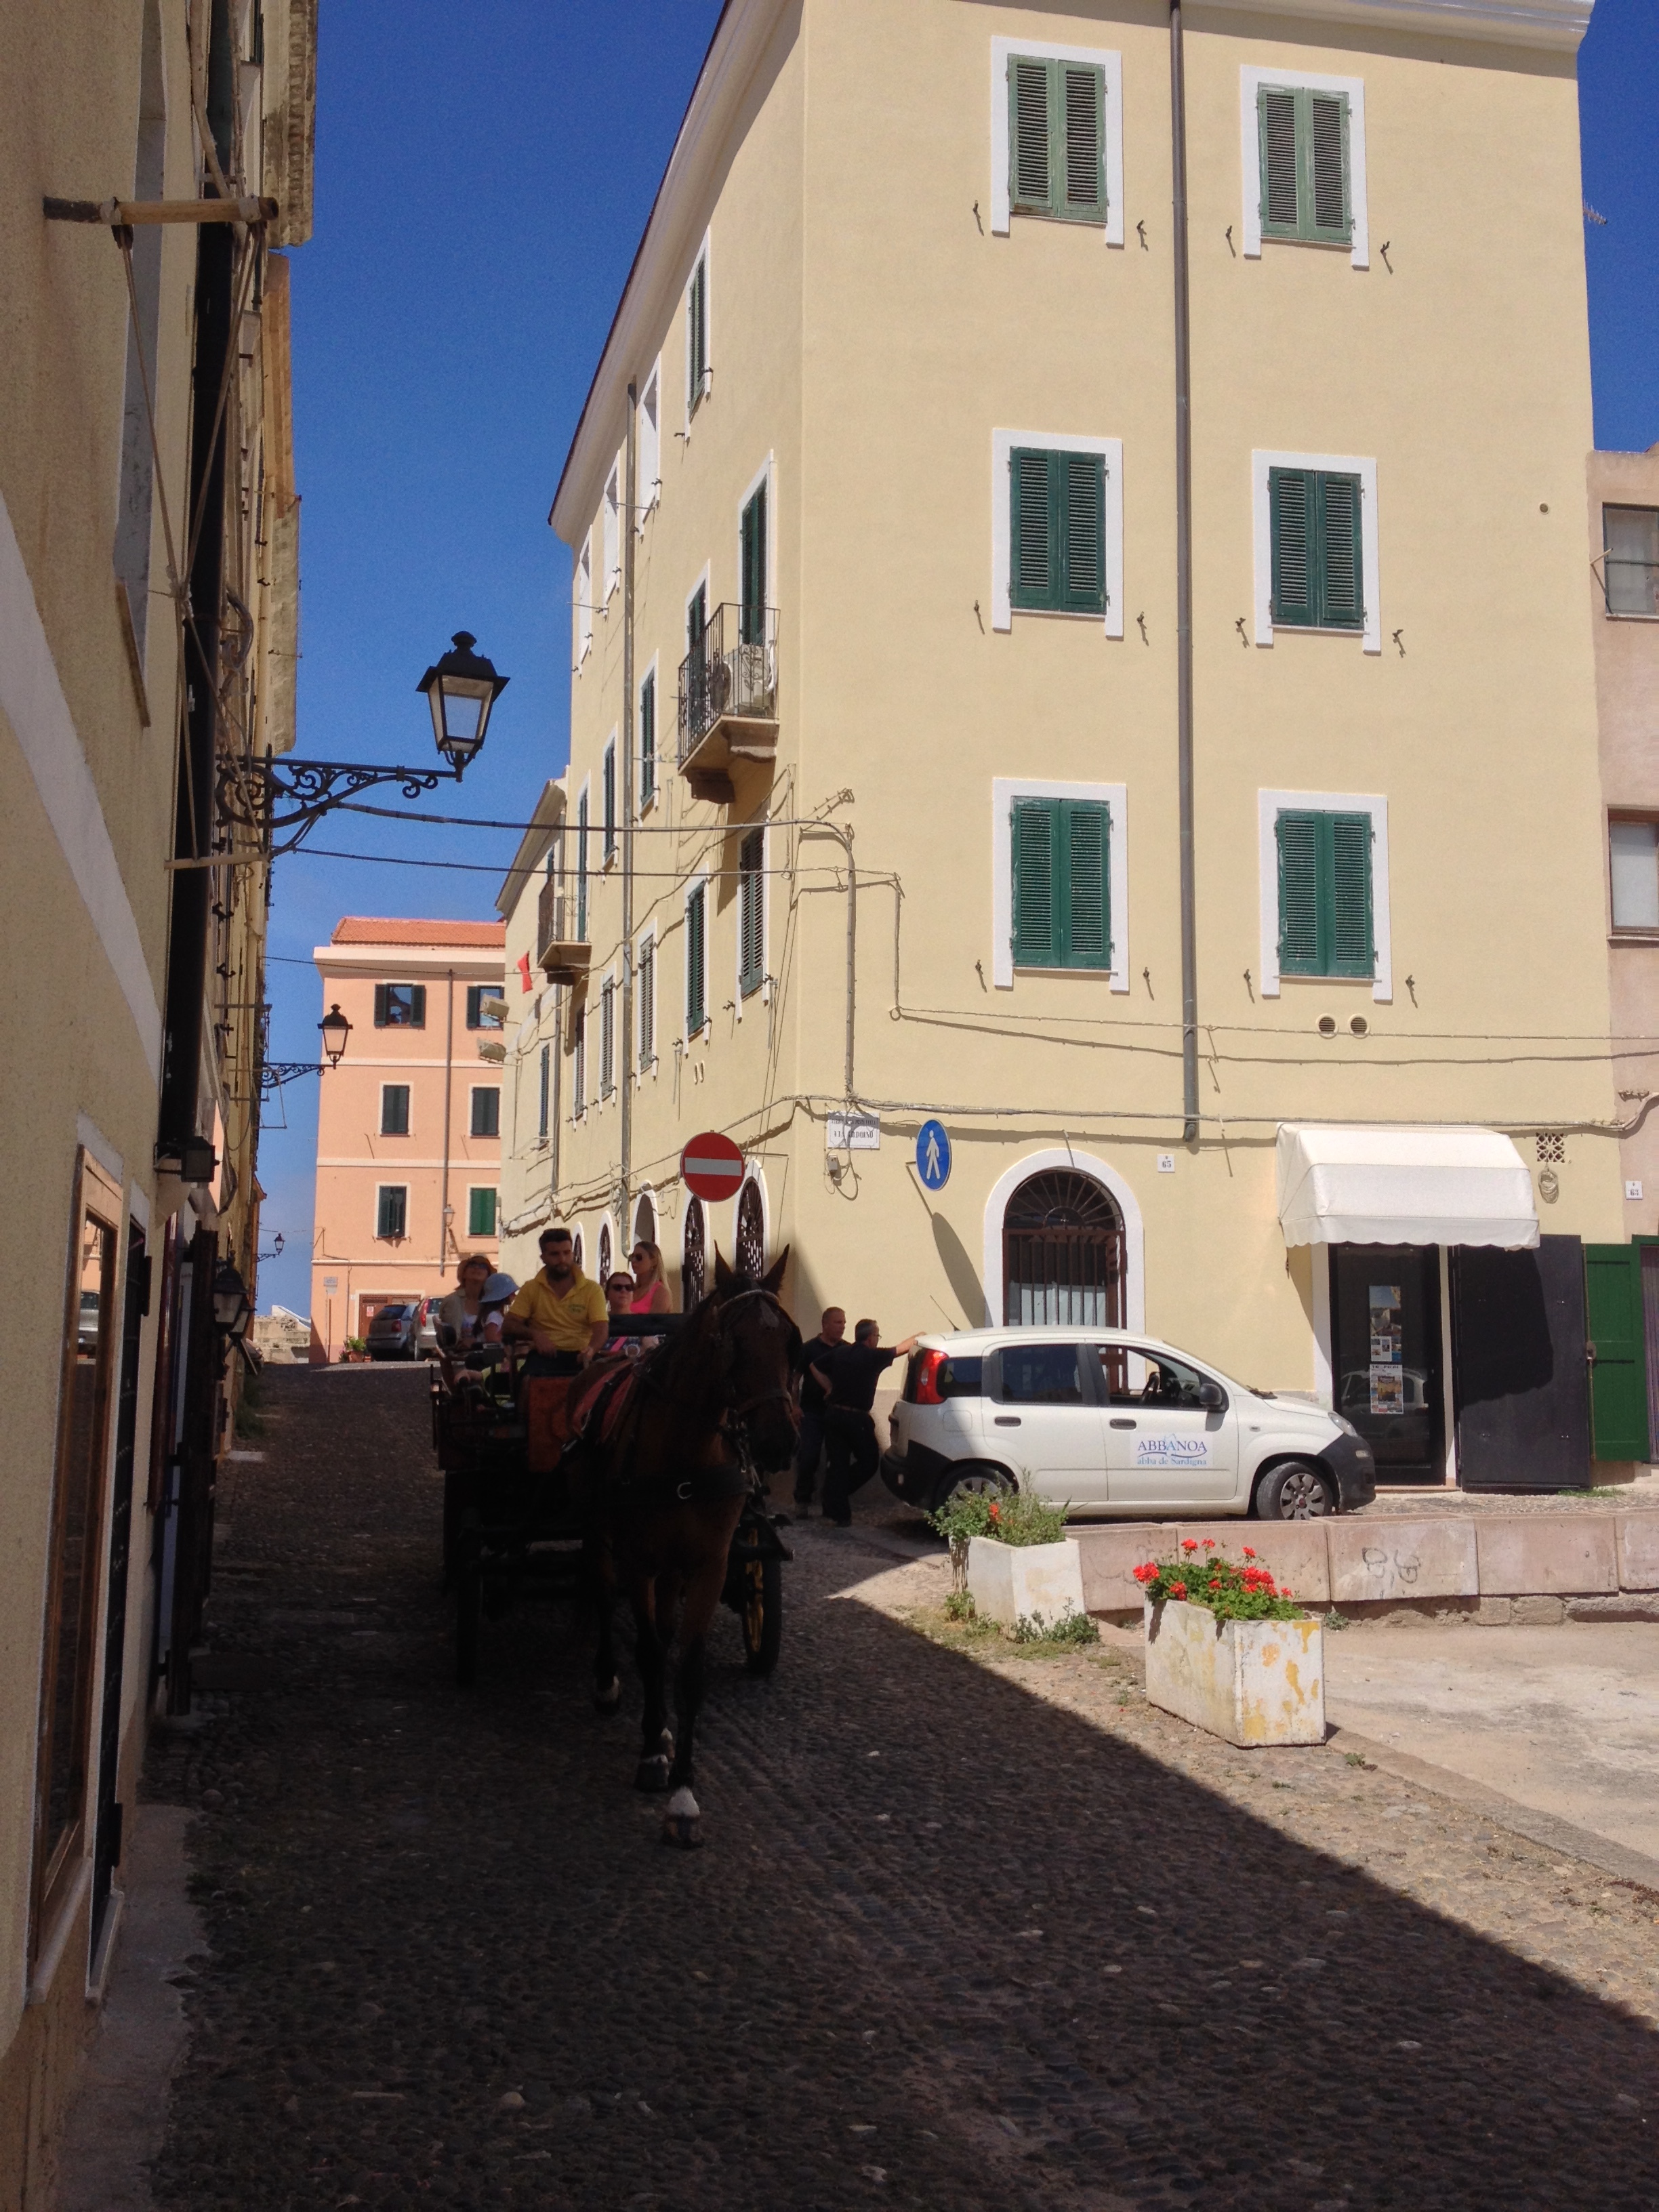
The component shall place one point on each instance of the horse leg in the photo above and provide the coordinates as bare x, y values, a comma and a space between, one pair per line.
703, 1584
656, 1745
602, 1583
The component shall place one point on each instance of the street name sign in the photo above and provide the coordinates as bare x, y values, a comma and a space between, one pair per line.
712, 1166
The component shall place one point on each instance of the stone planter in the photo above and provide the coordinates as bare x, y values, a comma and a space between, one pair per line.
1247, 1681
1007, 1581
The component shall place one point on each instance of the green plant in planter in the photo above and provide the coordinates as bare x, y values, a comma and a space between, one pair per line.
1021, 1517
1068, 1627
1200, 1574
958, 1606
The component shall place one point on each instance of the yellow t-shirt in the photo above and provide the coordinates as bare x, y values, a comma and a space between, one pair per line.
567, 1316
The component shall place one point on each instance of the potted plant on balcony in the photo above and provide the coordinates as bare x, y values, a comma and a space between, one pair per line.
1228, 1649
1011, 1553
355, 1350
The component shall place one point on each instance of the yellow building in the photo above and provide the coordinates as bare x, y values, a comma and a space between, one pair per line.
149, 579
1079, 634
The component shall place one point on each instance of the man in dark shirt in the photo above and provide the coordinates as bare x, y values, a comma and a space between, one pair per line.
847, 1375
831, 1329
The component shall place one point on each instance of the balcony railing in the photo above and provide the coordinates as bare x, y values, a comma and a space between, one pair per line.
560, 955
728, 697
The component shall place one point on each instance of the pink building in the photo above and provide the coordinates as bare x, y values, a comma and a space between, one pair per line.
408, 1125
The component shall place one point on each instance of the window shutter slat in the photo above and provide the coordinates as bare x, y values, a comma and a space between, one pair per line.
1290, 498
1028, 135
1034, 823
1276, 121
1088, 935
1341, 600
1299, 893
1328, 137
1085, 94
1351, 951
1084, 479
1032, 583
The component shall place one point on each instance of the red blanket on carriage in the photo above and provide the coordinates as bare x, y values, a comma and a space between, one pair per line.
598, 1399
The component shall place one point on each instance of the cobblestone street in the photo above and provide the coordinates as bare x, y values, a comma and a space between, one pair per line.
966, 1932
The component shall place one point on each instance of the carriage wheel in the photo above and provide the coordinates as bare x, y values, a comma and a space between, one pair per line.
468, 1608
762, 1613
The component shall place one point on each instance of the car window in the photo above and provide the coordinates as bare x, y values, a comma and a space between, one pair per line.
960, 1378
1134, 1377
1040, 1375
392, 1313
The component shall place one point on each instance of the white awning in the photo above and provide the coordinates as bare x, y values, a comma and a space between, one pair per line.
1359, 1185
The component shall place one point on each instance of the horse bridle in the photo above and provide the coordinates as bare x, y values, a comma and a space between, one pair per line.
734, 1423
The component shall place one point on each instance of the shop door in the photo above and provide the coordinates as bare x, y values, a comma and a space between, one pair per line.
1650, 1251
1385, 1355
1619, 1379
1519, 1376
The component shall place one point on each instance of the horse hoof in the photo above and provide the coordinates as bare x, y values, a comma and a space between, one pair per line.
682, 1822
610, 1697
652, 1773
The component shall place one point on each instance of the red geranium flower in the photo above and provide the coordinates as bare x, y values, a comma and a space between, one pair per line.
996, 1516
1209, 1543
1249, 1553
1286, 1591
1214, 1584
1177, 1589
1190, 1544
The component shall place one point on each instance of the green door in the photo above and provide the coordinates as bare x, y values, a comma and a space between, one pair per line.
1619, 1375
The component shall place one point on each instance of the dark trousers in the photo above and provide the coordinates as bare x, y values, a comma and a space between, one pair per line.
808, 1452
850, 1439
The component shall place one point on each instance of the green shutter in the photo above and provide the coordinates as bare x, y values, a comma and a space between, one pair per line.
582, 867
1349, 949
648, 739
1289, 496
1083, 91
1619, 1375
1036, 826
751, 886
1031, 552
754, 570
1056, 138
1028, 190
1057, 531
481, 1213
1088, 899
696, 310
1318, 567
1304, 140
696, 965
1298, 894
1083, 517
1341, 598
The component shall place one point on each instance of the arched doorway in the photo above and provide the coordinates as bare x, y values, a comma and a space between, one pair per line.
576, 1248
645, 1221
692, 1259
752, 1232
605, 1254
1063, 1254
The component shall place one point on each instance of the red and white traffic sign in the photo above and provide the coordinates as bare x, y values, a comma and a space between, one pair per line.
712, 1166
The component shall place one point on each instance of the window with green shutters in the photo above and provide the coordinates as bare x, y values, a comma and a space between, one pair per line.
1060, 851
1324, 894
546, 1092
696, 337
394, 1110
480, 1213
392, 1210
609, 786
1305, 189
753, 555
1318, 565
697, 960
486, 1112
1056, 139
1057, 531
581, 866
752, 913
649, 739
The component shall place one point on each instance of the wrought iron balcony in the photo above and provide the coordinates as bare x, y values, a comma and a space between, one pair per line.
560, 955
728, 698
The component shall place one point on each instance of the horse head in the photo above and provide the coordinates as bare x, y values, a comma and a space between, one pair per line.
761, 1347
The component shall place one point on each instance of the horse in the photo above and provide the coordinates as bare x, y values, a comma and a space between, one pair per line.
706, 1414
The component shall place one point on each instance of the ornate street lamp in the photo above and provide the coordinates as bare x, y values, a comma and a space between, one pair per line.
335, 1029
284, 799
232, 1307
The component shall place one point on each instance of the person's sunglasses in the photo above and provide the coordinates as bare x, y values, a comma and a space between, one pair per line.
637, 1256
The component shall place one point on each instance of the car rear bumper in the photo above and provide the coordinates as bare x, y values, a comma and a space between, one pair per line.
1350, 1460
913, 1476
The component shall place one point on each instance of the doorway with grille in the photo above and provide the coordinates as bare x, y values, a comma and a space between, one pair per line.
1063, 1254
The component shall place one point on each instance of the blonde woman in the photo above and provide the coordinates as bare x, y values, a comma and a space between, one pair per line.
650, 1291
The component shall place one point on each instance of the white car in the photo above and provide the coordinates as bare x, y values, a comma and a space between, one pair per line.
1110, 1423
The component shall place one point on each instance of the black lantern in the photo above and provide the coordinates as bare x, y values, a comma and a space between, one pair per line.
232, 1308
335, 1029
460, 691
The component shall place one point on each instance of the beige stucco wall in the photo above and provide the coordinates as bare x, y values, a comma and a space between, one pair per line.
869, 331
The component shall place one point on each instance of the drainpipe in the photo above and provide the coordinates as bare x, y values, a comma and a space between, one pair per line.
629, 494
1184, 587
449, 1086
843, 837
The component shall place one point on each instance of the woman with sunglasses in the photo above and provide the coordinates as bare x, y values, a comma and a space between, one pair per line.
650, 1291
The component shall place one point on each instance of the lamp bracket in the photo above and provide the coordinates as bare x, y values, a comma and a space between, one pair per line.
284, 799
274, 1074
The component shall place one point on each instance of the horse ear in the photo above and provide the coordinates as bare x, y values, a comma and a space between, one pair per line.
773, 1275
723, 1276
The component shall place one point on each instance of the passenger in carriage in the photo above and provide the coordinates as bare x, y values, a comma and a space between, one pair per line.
619, 1300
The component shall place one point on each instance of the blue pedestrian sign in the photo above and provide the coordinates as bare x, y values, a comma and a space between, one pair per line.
932, 1155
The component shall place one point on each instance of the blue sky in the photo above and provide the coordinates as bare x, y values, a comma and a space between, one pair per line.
482, 177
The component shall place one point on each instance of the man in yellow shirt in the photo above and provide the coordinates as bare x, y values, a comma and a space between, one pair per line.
561, 1316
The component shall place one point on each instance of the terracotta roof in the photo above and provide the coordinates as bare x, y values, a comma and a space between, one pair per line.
374, 929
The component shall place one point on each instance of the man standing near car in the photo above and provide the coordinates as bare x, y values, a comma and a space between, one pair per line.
562, 1317
831, 1331
847, 1375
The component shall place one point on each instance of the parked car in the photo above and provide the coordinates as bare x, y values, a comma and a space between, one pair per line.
394, 1332
1109, 1422
426, 1338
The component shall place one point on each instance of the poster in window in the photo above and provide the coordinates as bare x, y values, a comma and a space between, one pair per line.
1388, 1390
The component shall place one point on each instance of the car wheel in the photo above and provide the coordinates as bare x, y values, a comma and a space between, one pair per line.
974, 1478
1296, 1490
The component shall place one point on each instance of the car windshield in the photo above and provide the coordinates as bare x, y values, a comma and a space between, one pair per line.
392, 1313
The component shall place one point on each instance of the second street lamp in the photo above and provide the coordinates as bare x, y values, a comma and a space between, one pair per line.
335, 1029
460, 690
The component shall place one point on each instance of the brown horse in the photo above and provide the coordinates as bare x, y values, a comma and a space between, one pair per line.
709, 1410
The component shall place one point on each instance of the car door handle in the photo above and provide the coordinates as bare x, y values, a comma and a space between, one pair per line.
1007, 1420
1122, 1425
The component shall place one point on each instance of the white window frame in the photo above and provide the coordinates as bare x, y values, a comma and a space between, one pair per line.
383, 1236
763, 996
1005, 790
694, 883
647, 1063
648, 487
582, 597
1003, 443
610, 831
1250, 82
699, 258
1270, 805
1261, 518
650, 676
471, 1190
1111, 65
611, 529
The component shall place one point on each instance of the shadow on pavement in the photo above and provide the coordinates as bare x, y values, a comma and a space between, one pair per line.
947, 1945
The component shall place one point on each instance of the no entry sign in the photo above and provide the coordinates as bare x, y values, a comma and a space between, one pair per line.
712, 1166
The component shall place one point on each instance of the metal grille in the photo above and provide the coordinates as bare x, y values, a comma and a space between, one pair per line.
1551, 1148
751, 1234
692, 1261
1062, 1254
605, 1253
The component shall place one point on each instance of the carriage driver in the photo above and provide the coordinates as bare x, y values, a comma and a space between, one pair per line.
559, 1312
